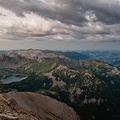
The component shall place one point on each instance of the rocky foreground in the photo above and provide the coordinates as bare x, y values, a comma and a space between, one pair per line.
32, 106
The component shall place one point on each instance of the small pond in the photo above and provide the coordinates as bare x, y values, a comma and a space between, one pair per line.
13, 78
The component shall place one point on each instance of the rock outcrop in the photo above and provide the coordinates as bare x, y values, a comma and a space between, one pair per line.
33, 106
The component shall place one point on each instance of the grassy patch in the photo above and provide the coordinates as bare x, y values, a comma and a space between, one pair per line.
46, 91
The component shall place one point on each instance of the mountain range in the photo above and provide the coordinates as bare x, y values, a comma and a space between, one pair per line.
111, 56
91, 86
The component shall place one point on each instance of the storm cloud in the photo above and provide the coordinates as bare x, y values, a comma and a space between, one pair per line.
88, 20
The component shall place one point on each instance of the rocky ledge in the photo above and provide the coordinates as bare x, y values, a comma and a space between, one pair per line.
33, 106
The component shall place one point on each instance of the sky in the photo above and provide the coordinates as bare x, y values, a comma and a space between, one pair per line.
60, 24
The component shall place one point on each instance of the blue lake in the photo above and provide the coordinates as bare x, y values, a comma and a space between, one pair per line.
13, 78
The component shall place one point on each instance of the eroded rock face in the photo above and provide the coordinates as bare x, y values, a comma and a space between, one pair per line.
32, 106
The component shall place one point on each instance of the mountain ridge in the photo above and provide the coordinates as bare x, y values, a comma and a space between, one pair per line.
86, 85
33, 106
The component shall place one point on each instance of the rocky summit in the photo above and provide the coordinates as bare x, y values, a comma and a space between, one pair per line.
32, 106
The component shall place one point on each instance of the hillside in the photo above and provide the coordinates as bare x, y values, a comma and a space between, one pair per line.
12, 61
32, 106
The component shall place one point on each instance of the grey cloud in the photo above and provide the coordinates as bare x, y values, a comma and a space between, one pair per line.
62, 12
67, 11
72, 12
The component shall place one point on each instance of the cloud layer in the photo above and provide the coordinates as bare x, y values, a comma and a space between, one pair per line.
67, 20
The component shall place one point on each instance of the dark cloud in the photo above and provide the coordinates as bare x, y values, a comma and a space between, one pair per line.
67, 11
90, 18
106, 11
64, 14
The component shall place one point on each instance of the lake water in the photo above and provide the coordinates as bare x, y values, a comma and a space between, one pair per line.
13, 78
